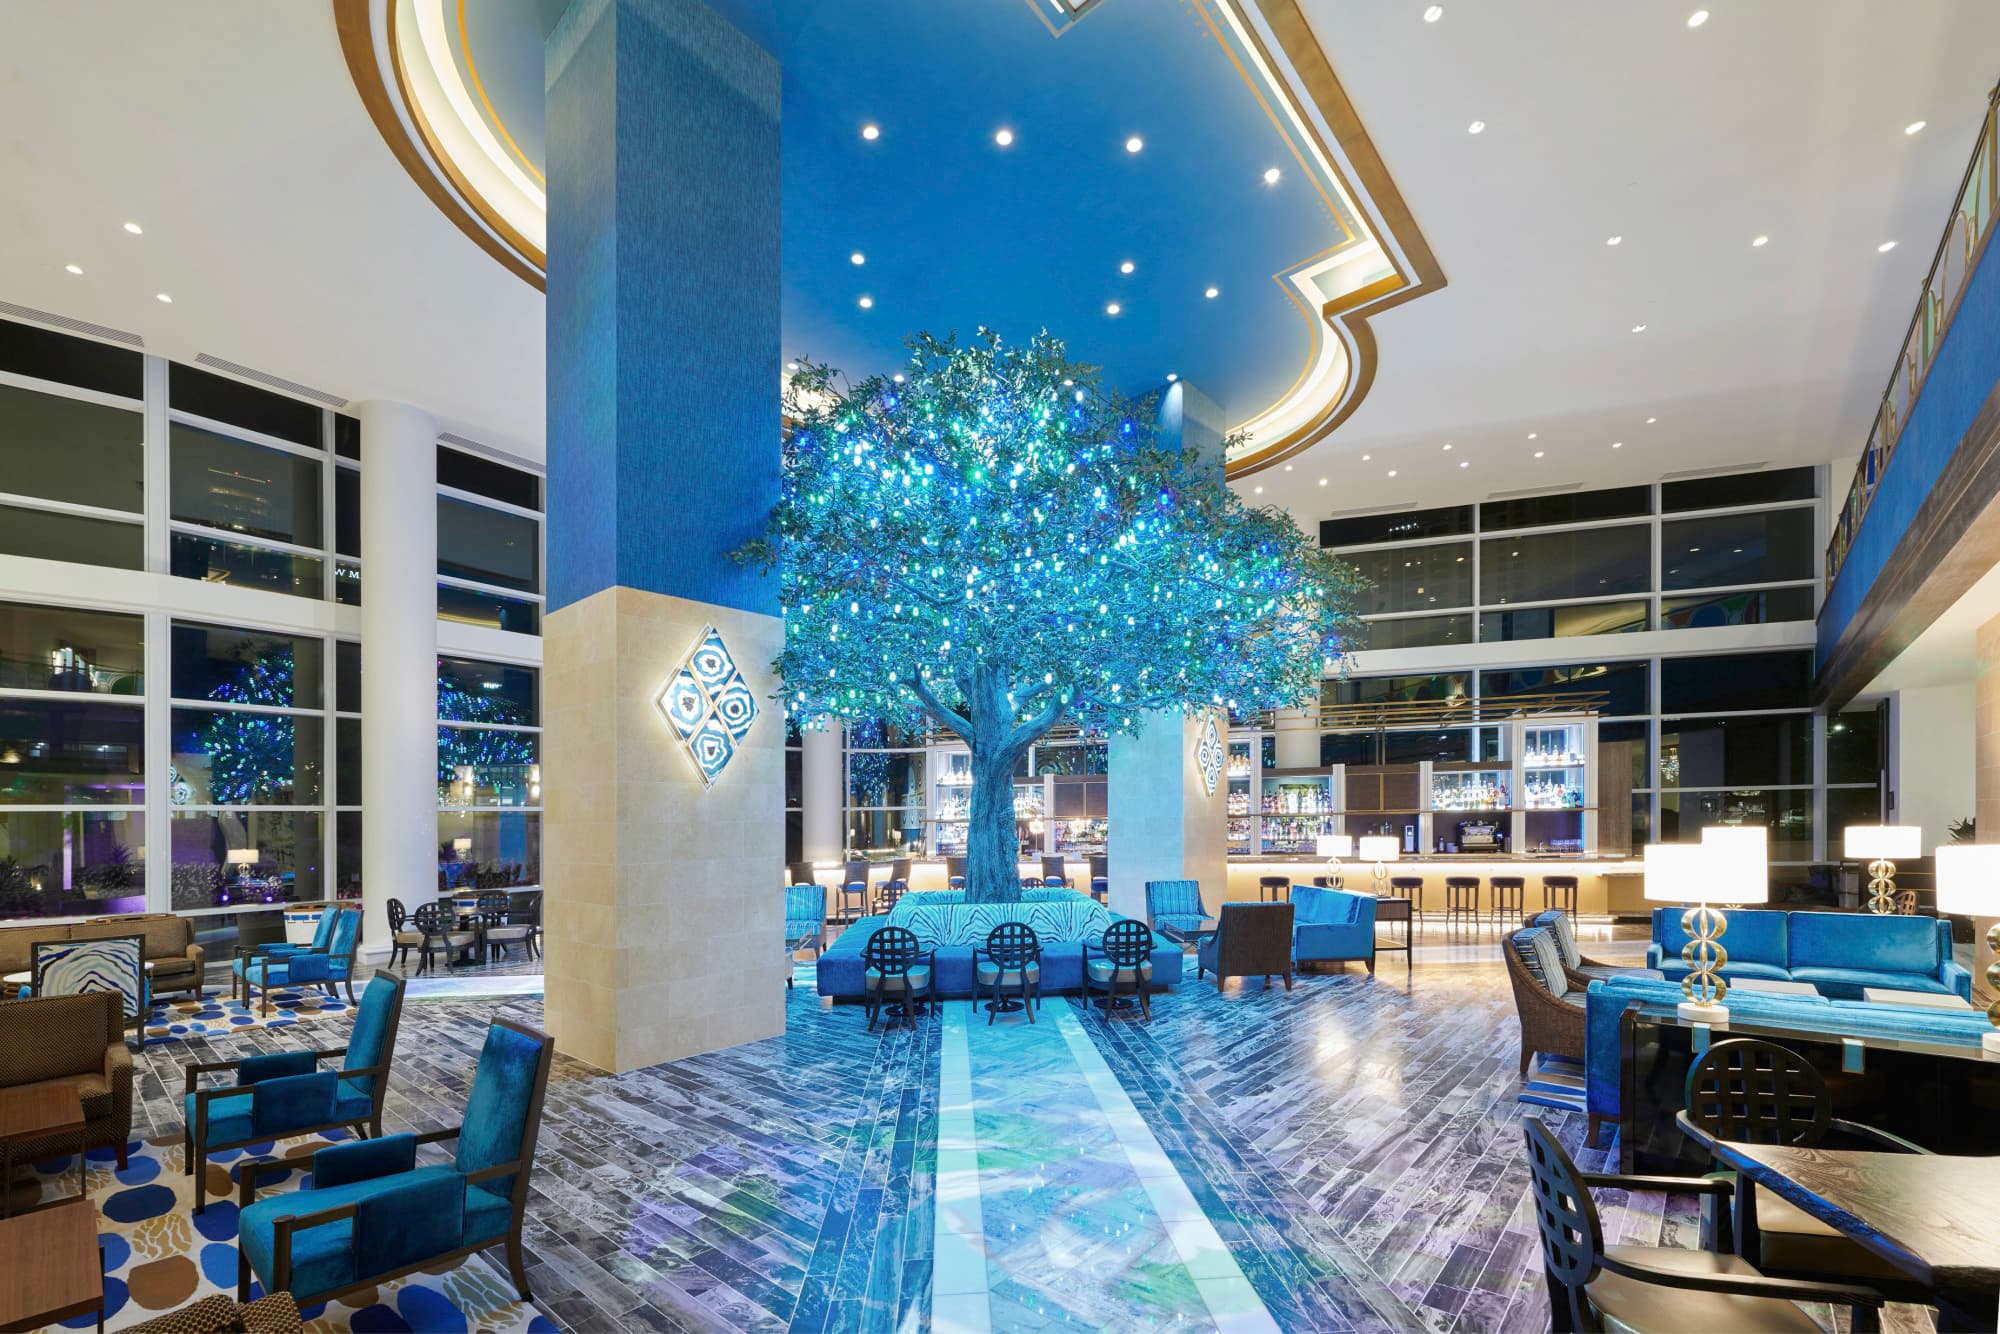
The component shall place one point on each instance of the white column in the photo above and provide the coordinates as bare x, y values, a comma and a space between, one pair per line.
821, 796
398, 663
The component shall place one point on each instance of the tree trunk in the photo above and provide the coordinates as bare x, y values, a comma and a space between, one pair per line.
992, 845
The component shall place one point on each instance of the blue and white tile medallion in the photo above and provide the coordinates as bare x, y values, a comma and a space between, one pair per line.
709, 705
1208, 753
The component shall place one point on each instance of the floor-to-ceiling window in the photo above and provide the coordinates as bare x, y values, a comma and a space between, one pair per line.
489, 775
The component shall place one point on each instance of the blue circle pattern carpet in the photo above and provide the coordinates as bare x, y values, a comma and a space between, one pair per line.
158, 1256
216, 1015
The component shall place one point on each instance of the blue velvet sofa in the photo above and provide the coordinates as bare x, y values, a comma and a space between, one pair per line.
943, 921
1332, 924
1838, 953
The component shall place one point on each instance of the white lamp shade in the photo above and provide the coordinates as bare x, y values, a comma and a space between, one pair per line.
242, 856
1883, 842
1674, 872
1335, 846
1968, 879
1738, 863
1379, 847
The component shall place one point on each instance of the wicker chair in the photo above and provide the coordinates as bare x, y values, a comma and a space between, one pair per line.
273, 1314
1551, 1011
79, 1039
1580, 967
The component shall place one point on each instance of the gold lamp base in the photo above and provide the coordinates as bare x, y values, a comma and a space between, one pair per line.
1704, 986
1882, 887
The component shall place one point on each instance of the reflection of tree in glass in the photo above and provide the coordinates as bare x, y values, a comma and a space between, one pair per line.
482, 750
250, 755
867, 771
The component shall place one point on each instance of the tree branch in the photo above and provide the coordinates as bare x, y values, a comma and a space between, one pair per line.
945, 714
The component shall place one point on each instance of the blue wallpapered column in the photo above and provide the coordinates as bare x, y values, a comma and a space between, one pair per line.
1167, 823
664, 826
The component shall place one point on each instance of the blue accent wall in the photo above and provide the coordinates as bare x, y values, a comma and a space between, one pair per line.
1962, 377
663, 302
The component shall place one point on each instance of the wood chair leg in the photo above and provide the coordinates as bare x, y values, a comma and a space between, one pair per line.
242, 1275
516, 1268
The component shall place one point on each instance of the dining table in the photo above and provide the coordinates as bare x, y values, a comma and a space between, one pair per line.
1932, 1216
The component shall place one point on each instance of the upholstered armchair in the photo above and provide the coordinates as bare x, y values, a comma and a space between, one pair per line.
329, 917
286, 1093
275, 1313
1551, 1011
1174, 903
78, 1039
1577, 966
257, 969
114, 964
1332, 925
1251, 940
373, 1214
176, 962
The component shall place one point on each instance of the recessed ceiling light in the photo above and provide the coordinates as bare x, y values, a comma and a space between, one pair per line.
1696, 19
1447, 446
1885, 247
1539, 453
1288, 467
135, 229
1531, 435
1914, 126
1434, 13
1213, 293
1465, 463
1272, 175
1260, 490
1113, 308
1613, 240
1126, 267
1366, 457
72, 268
1638, 328
857, 258
163, 298
1760, 241
1134, 144
871, 131
1477, 127
1651, 420
792, 366
1322, 481
1003, 137
897, 377
1392, 472
867, 303
1175, 375
1618, 444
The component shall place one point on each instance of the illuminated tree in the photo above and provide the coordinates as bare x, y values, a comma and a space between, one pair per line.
995, 546
251, 755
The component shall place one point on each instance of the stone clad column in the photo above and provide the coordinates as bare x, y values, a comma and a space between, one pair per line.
1986, 778
398, 664
663, 837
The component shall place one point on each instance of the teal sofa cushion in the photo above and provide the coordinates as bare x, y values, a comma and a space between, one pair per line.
1889, 944
1749, 935
1846, 983
323, 1256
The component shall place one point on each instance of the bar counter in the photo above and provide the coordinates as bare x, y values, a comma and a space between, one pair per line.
1603, 884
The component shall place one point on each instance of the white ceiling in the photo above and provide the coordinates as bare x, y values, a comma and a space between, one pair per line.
1779, 117
289, 238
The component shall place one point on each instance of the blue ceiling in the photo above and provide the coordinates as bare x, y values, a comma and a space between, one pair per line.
959, 232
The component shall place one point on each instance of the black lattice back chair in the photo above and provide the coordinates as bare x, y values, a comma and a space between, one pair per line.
1031, 882
498, 928
895, 966
887, 893
1012, 957
399, 939
437, 923
1124, 958
1654, 1287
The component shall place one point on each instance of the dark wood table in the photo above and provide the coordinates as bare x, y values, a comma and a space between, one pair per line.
33, 1112
51, 1268
1192, 935
1930, 1215
1390, 910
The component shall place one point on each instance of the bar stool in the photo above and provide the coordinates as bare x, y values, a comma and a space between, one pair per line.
1461, 899
1272, 887
1510, 899
854, 900
1409, 887
1561, 887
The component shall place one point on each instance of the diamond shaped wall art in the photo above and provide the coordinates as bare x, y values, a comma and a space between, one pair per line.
709, 705
1208, 754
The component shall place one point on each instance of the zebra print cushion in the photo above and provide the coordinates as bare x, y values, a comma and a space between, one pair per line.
72, 967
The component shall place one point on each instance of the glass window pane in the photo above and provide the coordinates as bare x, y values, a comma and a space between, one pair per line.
346, 676
1623, 682
224, 400
794, 778
1400, 527
488, 477
63, 449
470, 607
1347, 748
228, 666
1414, 578
1546, 567
278, 858
72, 863
795, 837
1642, 821
243, 566
1731, 682
1418, 632
347, 762
874, 734
1588, 618
245, 488
487, 766
1740, 488
1854, 746
1850, 805
470, 691
232, 757
489, 849
64, 752
347, 852
882, 831
70, 538
1623, 502
347, 584
1785, 813
885, 778
347, 511
488, 546
1450, 745
1762, 547
44, 354
57, 648
1381, 689
1723, 752
1759, 607
346, 436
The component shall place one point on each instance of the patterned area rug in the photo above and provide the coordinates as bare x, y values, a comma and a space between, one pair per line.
1554, 1081
183, 1017
158, 1256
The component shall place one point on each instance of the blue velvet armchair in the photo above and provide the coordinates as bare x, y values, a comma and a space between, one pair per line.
373, 1214
286, 1093
329, 917
1333, 925
257, 969
1174, 903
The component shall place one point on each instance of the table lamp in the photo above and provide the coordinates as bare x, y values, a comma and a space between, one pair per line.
1881, 846
1333, 847
1728, 866
243, 856
1968, 882
1380, 849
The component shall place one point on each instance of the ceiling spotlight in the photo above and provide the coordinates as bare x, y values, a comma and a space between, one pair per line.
1618, 444
1113, 308
867, 303
1759, 241
1322, 481
857, 258
1651, 420
1288, 467
1447, 446
1272, 175
135, 229
1915, 126
1003, 137
1392, 472
1638, 328
1885, 247
1366, 457
1213, 293
897, 377
1134, 144
1465, 463
1696, 19
1126, 267
1531, 435
792, 366
72, 268
1434, 13
163, 298
1477, 127
1260, 490
871, 132
1539, 453
1613, 240
1175, 375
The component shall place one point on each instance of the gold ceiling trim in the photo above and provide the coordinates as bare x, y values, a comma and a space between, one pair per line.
479, 87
